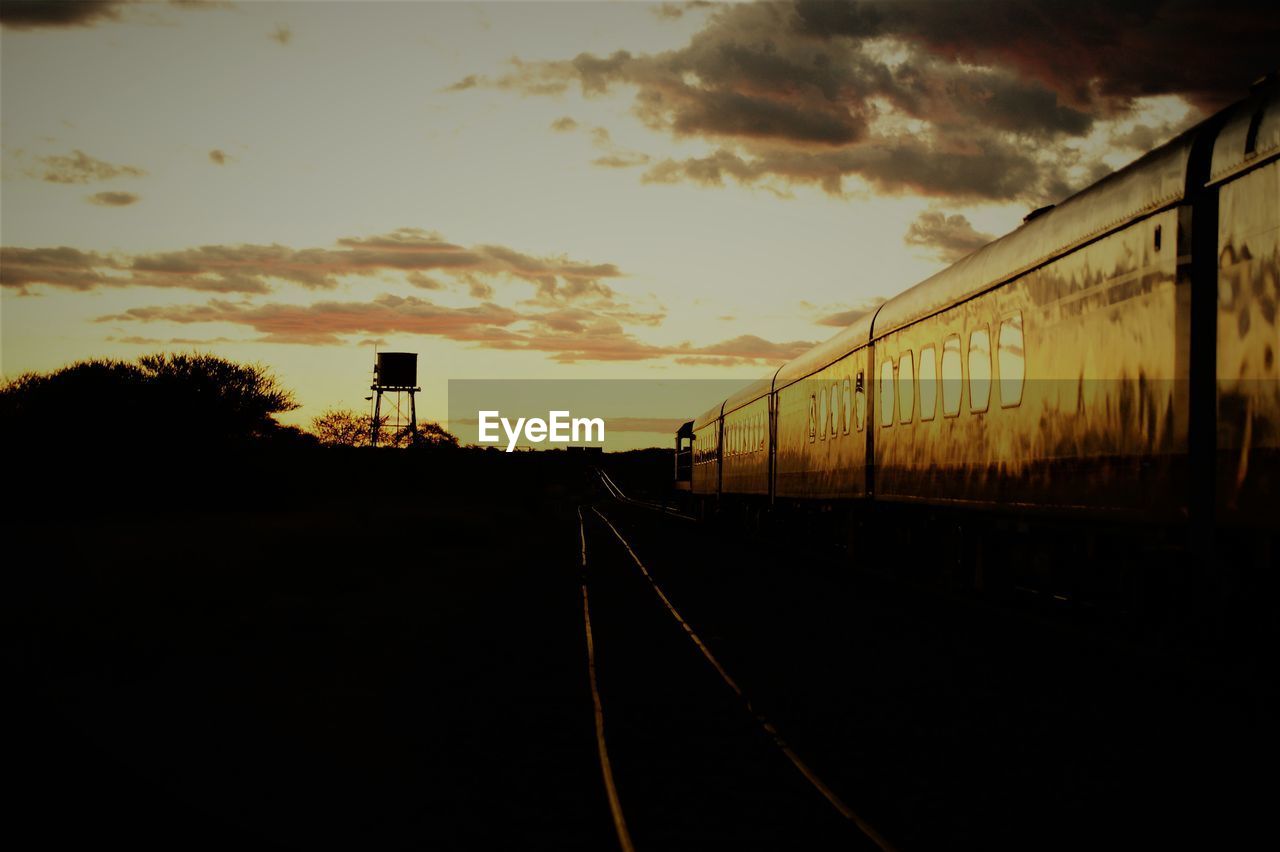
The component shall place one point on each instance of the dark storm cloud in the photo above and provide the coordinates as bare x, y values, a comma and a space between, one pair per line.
949, 238
47, 14
33, 14
248, 268
974, 100
1088, 51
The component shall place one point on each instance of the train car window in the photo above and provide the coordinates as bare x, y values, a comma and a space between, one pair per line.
979, 369
952, 381
886, 393
928, 383
835, 409
1012, 360
822, 414
846, 404
860, 403
813, 417
906, 388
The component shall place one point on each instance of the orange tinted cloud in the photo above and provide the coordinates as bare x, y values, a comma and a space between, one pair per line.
565, 334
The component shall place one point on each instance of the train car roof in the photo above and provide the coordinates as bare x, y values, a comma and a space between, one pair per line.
708, 417
1234, 151
1152, 182
750, 393
827, 352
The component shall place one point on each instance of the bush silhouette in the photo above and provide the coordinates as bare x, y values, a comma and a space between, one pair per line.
161, 402
342, 427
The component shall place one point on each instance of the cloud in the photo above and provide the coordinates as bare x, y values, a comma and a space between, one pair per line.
79, 167
113, 199
949, 238
847, 316
248, 268
983, 100
219, 157
621, 161
35, 14
564, 124
51, 14
56, 267
281, 35
564, 334
1096, 56
675, 11
172, 341
471, 81
424, 282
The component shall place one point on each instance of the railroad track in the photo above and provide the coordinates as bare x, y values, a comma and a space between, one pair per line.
686, 758
616, 493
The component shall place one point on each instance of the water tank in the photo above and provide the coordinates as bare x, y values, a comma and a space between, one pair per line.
397, 369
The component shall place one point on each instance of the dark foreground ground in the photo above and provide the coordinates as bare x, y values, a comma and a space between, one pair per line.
348, 654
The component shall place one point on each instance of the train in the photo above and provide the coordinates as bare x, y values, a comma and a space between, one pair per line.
1110, 365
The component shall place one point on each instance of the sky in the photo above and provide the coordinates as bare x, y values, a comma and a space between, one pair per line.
538, 190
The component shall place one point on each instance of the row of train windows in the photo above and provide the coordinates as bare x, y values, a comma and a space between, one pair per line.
842, 407
746, 436
898, 379
704, 449
840, 404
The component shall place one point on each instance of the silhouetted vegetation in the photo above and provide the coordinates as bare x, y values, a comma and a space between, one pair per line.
343, 427
161, 402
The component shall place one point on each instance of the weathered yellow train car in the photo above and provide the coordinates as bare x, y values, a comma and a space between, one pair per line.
1114, 356
746, 423
706, 452
1246, 174
822, 418
1045, 371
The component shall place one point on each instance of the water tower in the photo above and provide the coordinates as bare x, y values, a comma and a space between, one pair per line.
395, 376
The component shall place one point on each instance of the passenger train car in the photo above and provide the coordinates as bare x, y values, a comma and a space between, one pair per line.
1114, 358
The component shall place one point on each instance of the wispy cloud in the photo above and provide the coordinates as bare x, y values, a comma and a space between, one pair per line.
249, 268
79, 167
948, 238
565, 334
113, 199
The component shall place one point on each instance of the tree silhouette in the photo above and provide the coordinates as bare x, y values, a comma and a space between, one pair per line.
430, 435
343, 427
161, 402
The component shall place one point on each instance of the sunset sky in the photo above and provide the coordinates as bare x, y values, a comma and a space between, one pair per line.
549, 190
